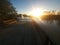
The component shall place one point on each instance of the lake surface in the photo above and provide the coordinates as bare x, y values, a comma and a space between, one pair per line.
51, 28
24, 19
50, 23
54, 24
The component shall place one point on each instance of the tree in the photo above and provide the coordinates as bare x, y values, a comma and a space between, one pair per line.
53, 12
25, 15
7, 11
58, 13
47, 12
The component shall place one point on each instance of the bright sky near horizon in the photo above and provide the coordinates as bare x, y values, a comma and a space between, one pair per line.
24, 6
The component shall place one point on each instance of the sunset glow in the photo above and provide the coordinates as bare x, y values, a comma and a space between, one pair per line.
36, 12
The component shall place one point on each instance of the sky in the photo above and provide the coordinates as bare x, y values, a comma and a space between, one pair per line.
24, 6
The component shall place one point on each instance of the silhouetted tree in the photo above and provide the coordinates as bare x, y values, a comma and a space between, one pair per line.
47, 12
7, 10
20, 15
24, 15
58, 13
53, 12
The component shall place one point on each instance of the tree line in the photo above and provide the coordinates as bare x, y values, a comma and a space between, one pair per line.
53, 12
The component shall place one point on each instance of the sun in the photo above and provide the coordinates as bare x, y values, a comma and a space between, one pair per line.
36, 12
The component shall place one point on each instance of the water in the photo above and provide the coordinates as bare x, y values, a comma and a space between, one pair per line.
24, 19
52, 29
52, 24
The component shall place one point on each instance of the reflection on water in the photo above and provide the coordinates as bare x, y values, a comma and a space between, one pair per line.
51, 21
52, 28
24, 19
